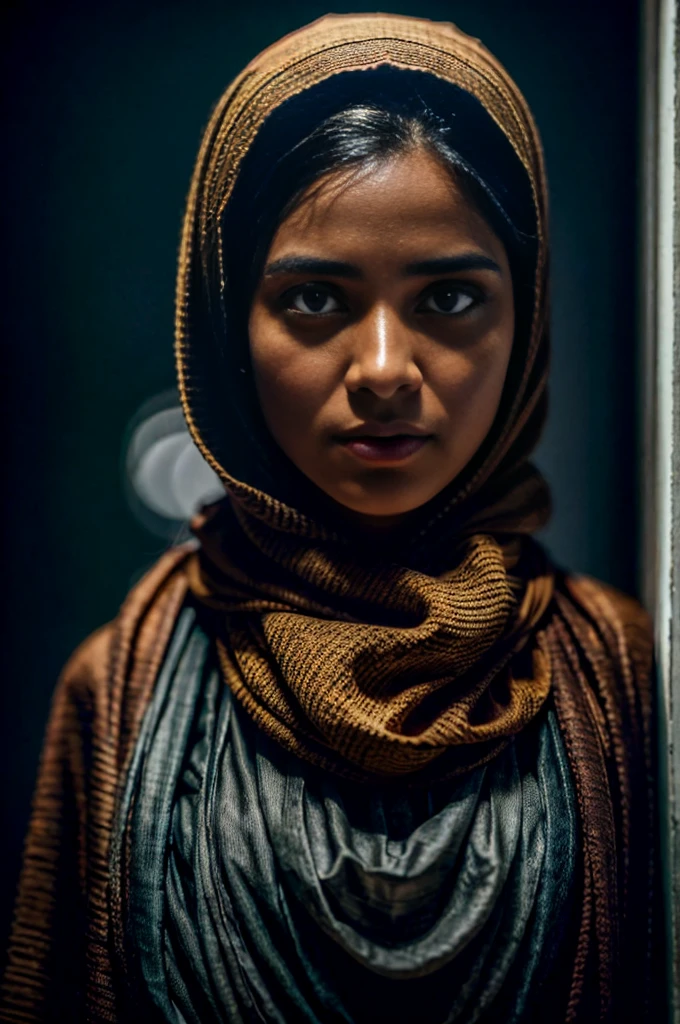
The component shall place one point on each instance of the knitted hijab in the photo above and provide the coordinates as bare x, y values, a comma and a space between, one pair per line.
423, 659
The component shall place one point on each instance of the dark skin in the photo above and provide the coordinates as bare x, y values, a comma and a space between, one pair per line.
380, 334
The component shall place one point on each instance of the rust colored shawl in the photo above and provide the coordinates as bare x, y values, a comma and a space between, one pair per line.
408, 667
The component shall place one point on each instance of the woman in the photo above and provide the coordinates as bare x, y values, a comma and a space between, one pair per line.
363, 753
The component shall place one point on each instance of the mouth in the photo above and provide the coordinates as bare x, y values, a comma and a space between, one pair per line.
386, 449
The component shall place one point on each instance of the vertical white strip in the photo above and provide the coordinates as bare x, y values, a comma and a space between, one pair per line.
668, 384
665, 348
666, 370
662, 414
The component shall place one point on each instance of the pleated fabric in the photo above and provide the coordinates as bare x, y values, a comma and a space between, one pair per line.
262, 889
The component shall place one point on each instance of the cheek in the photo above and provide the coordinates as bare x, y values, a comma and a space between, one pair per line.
472, 382
470, 395
293, 382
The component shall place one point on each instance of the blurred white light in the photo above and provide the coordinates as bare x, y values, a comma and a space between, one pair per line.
194, 483
168, 478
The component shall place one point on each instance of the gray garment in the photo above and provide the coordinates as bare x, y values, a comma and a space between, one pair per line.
264, 889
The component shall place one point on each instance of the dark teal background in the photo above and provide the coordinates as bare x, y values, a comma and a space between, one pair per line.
103, 116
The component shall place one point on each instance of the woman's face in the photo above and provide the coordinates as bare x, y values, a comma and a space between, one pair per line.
380, 334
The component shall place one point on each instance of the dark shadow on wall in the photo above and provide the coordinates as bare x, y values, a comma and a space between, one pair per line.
104, 112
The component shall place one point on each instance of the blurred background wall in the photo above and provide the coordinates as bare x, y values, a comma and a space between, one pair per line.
104, 107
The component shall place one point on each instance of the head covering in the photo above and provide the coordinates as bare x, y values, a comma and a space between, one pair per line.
287, 89
369, 663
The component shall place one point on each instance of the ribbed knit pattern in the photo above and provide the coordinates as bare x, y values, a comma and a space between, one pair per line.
370, 670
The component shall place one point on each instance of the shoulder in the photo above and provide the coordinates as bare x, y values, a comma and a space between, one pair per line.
86, 670
613, 603
622, 624
136, 636
612, 640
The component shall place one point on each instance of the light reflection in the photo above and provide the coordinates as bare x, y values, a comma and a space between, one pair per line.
167, 478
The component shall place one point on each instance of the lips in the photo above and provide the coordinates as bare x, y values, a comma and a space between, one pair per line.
391, 448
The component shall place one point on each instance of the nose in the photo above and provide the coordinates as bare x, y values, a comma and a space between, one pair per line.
382, 356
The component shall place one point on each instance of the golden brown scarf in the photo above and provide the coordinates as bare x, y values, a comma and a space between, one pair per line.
371, 669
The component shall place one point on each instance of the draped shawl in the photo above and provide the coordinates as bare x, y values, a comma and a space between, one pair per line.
406, 665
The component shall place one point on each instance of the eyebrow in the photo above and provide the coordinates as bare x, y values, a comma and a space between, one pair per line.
421, 268
453, 264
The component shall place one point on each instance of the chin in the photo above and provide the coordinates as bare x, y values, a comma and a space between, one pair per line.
384, 506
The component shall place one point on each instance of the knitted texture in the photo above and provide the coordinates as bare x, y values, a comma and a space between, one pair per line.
369, 669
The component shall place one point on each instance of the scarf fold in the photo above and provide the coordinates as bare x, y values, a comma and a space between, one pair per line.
373, 669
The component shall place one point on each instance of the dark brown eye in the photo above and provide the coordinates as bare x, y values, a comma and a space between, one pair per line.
312, 299
448, 299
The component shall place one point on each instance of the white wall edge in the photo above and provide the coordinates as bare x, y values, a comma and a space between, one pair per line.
660, 318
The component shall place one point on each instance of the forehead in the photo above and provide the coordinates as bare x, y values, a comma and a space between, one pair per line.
406, 201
